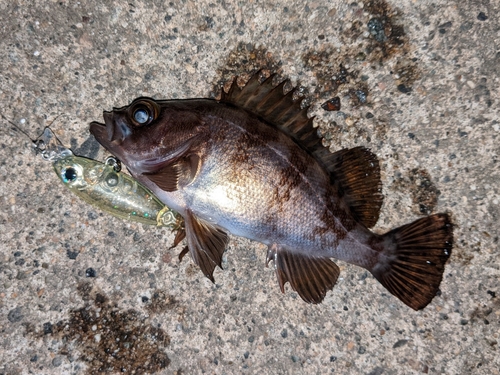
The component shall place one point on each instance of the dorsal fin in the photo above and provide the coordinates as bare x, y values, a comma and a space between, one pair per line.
277, 108
354, 172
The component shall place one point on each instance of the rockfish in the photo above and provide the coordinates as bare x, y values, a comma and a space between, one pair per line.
253, 165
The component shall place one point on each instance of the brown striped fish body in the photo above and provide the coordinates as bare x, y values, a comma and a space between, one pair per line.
252, 164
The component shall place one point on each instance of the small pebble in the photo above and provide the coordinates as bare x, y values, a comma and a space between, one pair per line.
57, 361
332, 104
90, 272
399, 344
482, 16
15, 315
350, 121
47, 328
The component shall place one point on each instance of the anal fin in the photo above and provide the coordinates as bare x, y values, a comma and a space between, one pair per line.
311, 277
206, 244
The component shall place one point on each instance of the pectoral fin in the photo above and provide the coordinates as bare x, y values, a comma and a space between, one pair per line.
206, 244
311, 277
176, 174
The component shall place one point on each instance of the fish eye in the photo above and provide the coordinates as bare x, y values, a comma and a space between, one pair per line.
141, 116
143, 111
69, 175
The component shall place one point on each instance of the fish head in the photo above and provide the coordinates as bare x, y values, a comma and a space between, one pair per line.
135, 132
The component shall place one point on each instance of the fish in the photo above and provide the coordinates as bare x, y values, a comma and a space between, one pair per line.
103, 186
253, 165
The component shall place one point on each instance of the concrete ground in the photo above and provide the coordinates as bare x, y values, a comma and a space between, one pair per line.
84, 293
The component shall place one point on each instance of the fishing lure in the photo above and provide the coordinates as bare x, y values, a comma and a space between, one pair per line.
103, 186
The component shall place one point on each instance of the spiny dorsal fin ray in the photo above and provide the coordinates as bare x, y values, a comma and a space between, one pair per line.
356, 172
274, 106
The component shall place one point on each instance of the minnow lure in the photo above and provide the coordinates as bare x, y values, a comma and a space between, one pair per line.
103, 186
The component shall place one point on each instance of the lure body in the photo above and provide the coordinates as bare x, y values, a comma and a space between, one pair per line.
113, 192
105, 188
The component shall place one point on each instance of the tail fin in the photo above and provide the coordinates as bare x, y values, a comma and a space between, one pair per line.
415, 257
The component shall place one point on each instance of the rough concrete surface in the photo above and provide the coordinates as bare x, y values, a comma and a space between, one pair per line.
83, 293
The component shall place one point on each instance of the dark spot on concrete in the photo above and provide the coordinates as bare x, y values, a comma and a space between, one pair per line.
407, 72
482, 16
404, 89
110, 339
72, 254
376, 371
482, 313
243, 62
376, 27
331, 79
424, 192
90, 272
89, 148
399, 344
388, 37
15, 315
160, 302
47, 328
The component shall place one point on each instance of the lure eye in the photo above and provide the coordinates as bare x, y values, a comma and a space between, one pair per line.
69, 175
143, 111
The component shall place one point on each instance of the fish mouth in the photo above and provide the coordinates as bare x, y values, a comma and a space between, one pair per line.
99, 132
112, 133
